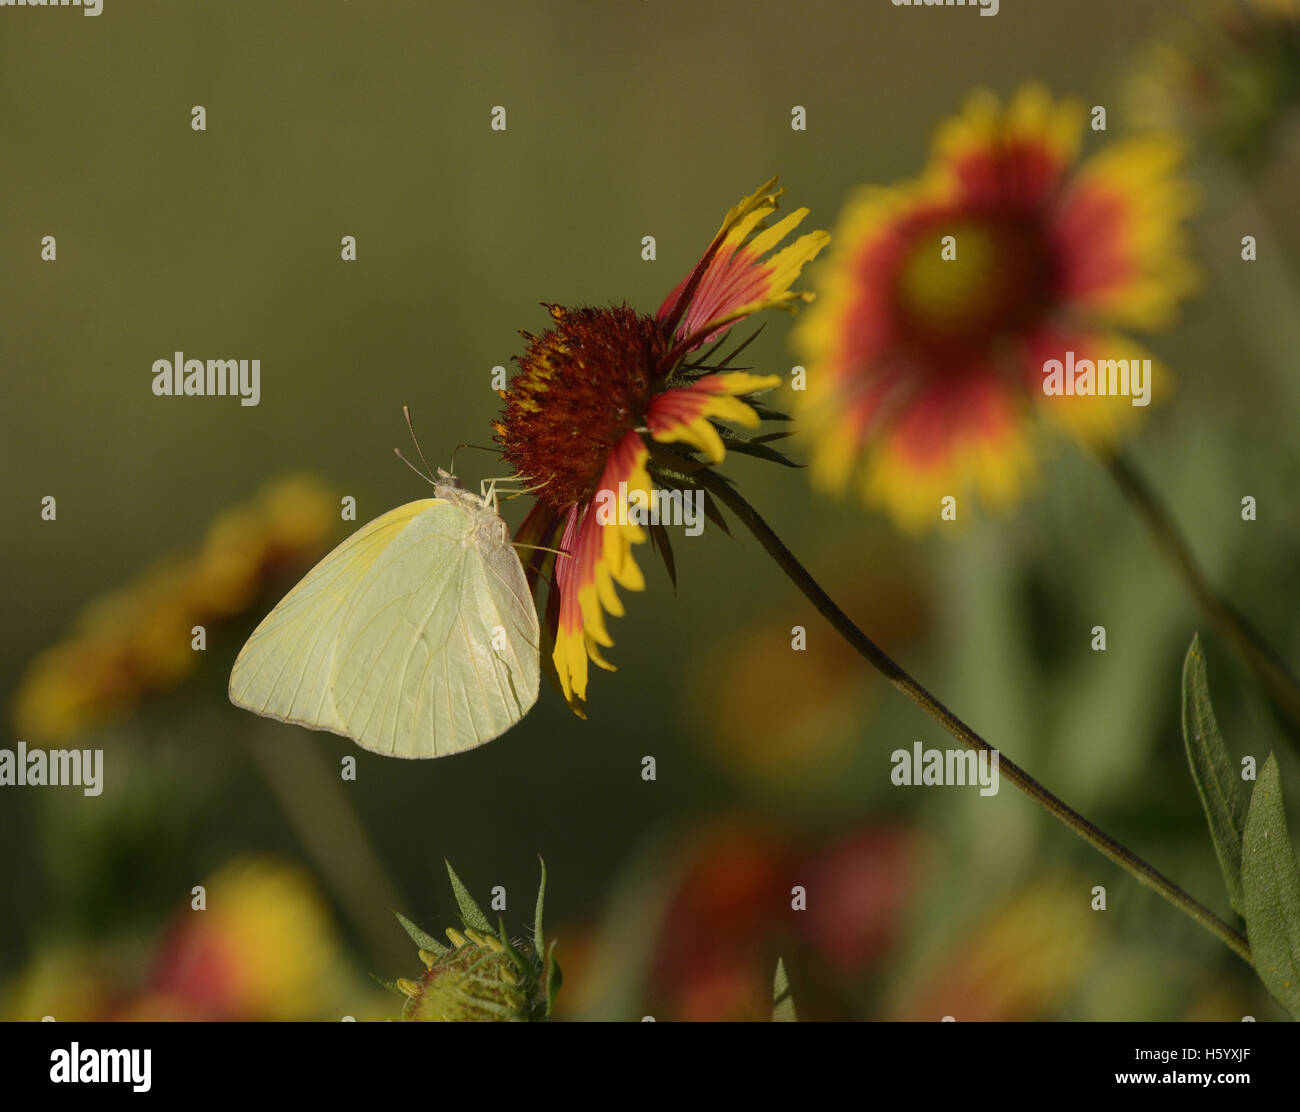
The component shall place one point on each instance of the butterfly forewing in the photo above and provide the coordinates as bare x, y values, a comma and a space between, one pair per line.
284, 670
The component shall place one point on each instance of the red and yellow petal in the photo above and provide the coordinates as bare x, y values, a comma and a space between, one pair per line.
1017, 153
746, 214
682, 416
1120, 234
1092, 419
733, 280
597, 558
597, 546
966, 438
855, 323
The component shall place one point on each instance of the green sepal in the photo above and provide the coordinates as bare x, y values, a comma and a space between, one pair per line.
390, 985
518, 960
539, 938
660, 542
755, 447
782, 1000
714, 514
766, 414
422, 940
554, 979
470, 912
672, 466
703, 365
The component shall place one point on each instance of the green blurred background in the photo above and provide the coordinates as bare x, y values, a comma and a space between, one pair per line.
625, 119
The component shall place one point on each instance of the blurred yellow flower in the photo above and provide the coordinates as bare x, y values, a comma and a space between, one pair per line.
137, 640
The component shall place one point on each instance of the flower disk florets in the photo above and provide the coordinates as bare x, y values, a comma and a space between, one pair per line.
581, 387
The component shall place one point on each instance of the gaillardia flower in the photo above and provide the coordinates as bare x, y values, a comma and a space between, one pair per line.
949, 298
611, 406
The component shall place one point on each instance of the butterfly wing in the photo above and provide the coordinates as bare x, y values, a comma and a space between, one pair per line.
286, 669
439, 650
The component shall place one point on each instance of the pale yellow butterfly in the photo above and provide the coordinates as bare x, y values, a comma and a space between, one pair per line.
416, 637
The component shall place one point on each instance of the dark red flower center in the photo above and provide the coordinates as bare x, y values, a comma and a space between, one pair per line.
581, 387
993, 278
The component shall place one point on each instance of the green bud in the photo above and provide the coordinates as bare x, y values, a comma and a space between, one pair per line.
484, 975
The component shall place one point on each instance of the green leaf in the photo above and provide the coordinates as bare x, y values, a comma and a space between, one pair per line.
1223, 795
782, 1001
1272, 891
422, 940
470, 912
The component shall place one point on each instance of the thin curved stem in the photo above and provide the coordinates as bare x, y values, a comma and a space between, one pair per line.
1269, 668
892, 671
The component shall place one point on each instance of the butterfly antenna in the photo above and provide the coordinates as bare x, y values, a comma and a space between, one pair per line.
406, 411
412, 466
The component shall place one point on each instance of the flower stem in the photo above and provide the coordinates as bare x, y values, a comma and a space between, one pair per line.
1269, 668
892, 671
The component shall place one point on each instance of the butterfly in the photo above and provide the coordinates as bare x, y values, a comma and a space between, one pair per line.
416, 637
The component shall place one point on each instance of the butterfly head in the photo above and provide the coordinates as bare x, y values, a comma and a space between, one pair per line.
449, 487
488, 525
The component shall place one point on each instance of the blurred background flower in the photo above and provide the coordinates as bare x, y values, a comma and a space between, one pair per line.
264, 947
138, 640
1227, 72
944, 299
721, 902
782, 701
1025, 958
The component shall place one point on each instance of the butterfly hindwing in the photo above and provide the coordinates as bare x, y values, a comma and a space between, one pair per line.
417, 673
